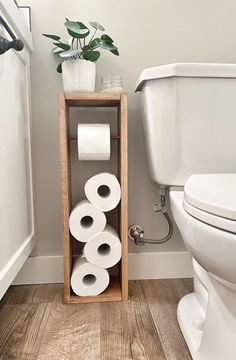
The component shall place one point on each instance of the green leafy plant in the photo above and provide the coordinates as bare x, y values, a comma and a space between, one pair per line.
78, 45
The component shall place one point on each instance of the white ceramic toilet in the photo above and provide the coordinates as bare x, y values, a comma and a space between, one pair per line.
189, 113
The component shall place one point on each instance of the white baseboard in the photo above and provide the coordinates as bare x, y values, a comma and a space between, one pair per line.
163, 265
41, 270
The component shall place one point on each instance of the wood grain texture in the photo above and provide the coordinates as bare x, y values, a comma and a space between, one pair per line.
123, 167
93, 99
115, 340
21, 330
144, 339
65, 192
35, 324
72, 330
162, 297
118, 100
34, 294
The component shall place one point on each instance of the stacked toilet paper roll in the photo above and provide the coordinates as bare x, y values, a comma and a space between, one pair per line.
87, 224
86, 221
88, 279
104, 249
103, 191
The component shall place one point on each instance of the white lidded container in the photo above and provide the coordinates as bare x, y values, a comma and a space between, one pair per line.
189, 113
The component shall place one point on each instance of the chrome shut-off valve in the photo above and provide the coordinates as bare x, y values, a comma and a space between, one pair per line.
136, 233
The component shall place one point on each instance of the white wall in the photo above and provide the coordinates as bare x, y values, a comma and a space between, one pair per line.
148, 33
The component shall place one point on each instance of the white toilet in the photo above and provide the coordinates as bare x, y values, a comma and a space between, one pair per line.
189, 113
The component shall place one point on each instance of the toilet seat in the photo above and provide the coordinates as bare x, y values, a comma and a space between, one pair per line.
211, 198
216, 221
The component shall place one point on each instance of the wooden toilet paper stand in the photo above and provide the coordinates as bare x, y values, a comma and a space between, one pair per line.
118, 287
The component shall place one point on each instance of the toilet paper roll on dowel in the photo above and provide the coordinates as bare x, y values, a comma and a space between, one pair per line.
103, 191
93, 141
88, 279
104, 249
86, 221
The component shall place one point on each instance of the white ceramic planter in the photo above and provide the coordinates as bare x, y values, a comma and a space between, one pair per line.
78, 75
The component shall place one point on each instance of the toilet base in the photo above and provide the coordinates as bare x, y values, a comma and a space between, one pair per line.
188, 312
208, 323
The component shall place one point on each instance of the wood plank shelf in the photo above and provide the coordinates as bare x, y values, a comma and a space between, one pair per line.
118, 287
93, 99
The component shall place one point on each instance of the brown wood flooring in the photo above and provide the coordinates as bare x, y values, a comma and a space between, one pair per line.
35, 324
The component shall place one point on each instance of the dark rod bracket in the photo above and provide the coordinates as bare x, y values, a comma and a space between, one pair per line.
5, 44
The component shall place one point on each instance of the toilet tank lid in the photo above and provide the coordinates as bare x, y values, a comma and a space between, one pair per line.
213, 193
186, 70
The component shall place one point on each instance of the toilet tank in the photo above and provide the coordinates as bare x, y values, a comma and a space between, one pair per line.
189, 115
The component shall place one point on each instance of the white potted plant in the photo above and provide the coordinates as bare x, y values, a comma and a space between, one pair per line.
80, 54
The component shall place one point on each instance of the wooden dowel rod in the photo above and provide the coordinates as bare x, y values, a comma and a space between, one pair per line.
74, 137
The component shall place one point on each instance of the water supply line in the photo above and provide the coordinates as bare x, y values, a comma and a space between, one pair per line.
136, 232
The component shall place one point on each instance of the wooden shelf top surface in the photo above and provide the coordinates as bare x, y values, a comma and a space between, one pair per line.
92, 99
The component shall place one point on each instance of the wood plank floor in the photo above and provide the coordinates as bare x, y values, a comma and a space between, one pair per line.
35, 324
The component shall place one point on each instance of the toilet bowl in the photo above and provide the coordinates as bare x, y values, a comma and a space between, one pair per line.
205, 213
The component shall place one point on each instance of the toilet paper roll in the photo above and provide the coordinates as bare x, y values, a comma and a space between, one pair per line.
93, 141
104, 249
88, 279
103, 191
86, 221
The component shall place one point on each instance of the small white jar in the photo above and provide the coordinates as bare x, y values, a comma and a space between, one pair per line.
112, 83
